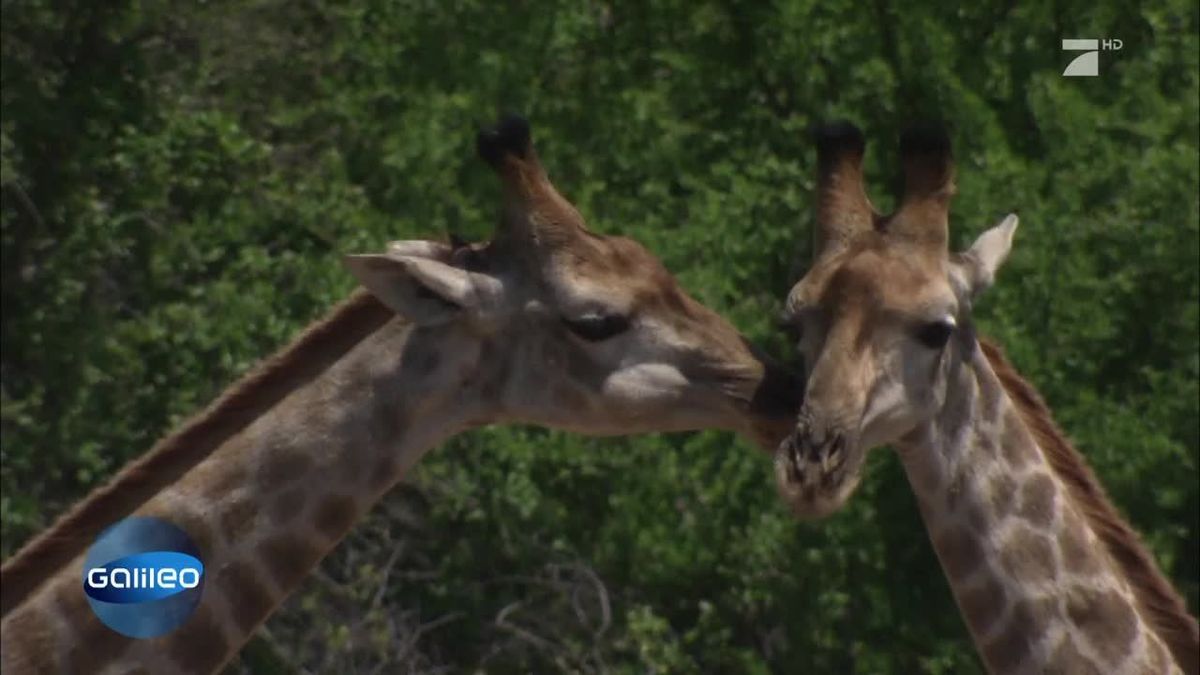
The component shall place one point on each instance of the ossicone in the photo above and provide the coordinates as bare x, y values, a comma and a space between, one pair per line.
509, 136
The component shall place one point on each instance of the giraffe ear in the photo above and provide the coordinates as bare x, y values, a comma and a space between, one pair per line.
420, 248
980, 262
421, 290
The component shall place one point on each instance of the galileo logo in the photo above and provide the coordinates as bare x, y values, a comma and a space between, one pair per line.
143, 577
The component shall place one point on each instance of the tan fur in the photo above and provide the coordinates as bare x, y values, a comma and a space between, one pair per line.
1158, 600
1047, 575
274, 475
319, 345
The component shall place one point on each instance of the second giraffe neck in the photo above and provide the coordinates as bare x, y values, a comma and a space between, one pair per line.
1033, 581
268, 504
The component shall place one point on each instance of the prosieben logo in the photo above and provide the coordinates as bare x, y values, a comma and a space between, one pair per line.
143, 577
1087, 64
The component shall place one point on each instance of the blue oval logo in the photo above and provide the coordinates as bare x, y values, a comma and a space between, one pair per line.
143, 577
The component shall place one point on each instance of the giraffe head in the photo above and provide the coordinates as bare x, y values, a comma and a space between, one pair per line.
570, 329
883, 315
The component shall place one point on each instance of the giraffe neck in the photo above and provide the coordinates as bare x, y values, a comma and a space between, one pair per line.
269, 503
1033, 580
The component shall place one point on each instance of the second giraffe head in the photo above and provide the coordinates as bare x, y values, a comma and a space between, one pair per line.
882, 315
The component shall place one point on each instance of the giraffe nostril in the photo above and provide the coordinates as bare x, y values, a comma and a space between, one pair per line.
829, 452
816, 438
839, 455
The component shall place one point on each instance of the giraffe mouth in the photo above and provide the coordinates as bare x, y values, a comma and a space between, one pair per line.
817, 470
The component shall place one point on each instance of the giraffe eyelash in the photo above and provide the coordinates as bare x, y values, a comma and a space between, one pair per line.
597, 327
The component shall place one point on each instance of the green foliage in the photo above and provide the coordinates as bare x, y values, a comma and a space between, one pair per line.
179, 179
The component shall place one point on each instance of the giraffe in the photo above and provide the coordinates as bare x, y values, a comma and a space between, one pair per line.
547, 323
1046, 574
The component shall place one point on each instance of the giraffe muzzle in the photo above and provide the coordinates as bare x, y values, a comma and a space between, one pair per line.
815, 460
817, 467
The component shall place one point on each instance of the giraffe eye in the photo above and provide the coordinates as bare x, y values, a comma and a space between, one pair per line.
936, 334
597, 327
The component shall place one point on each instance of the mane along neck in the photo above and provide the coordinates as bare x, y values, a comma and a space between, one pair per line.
269, 503
319, 346
1160, 605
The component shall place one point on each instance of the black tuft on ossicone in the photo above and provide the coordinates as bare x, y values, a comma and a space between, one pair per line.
835, 139
510, 136
926, 139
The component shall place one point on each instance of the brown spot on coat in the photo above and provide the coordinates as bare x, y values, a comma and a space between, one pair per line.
982, 604
335, 515
1006, 651
384, 429
194, 524
283, 465
288, 557
1165, 608
287, 505
1038, 495
322, 344
954, 491
1105, 619
1002, 494
36, 647
221, 480
69, 597
1016, 444
1079, 556
959, 552
382, 474
198, 646
94, 644
351, 469
1029, 556
246, 593
979, 517
1028, 621
238, 518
